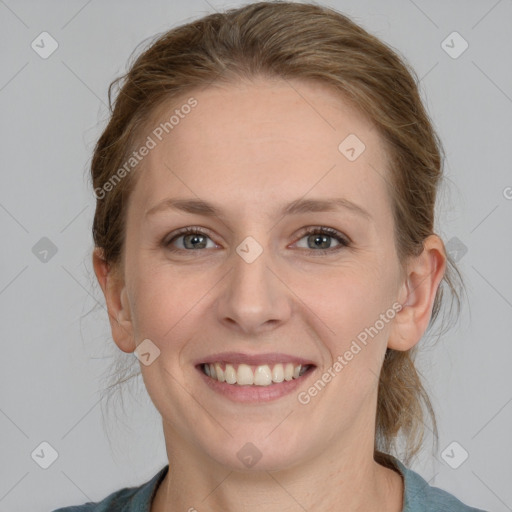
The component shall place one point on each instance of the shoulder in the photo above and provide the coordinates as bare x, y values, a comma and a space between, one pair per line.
128, 499
420, 496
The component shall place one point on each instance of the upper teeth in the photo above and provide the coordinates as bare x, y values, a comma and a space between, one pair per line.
262, 375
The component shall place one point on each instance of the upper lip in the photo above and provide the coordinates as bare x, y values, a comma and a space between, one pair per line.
253, 359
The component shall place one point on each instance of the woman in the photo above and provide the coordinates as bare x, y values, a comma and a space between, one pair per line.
265, 242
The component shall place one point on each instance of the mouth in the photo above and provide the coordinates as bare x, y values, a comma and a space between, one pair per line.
259, 378
240, 374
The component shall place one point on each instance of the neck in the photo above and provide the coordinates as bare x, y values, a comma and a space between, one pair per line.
341, 479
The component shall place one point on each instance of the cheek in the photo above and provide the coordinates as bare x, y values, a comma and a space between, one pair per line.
356, 306
353, 293
162, 299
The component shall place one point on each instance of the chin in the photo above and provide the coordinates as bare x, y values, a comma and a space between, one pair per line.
242, 454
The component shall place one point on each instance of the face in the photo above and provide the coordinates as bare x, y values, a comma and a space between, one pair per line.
257, 285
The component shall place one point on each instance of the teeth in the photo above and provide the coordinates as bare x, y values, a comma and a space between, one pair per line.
278, 373
288, 371
229, 374
244, 375
263, 375
219, 373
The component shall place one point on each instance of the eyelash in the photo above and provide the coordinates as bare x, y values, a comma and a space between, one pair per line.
319, 230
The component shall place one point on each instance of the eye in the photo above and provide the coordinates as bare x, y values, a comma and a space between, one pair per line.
195, 238
321, 242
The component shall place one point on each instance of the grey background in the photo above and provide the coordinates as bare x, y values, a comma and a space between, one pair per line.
56, 344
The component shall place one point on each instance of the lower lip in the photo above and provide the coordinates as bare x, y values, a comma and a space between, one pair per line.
252, 393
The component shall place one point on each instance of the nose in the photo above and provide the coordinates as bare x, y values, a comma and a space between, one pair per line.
254, 297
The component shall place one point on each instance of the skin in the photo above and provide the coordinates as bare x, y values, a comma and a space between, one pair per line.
250, 148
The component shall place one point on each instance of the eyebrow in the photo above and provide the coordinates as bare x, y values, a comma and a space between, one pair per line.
200, 207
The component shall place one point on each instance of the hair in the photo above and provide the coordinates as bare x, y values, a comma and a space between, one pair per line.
287, 40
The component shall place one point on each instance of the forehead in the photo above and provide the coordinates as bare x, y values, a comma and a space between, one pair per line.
247, 145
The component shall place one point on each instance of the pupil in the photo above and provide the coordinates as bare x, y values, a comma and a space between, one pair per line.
320, 239
194, 239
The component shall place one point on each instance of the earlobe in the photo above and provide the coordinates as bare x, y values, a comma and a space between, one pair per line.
116, 298
418, 291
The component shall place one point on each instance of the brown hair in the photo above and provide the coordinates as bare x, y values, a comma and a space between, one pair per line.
309, 42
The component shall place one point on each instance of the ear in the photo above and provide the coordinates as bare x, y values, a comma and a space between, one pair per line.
116, 298
417, 294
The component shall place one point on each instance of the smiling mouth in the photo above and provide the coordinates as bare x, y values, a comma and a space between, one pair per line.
254, 375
